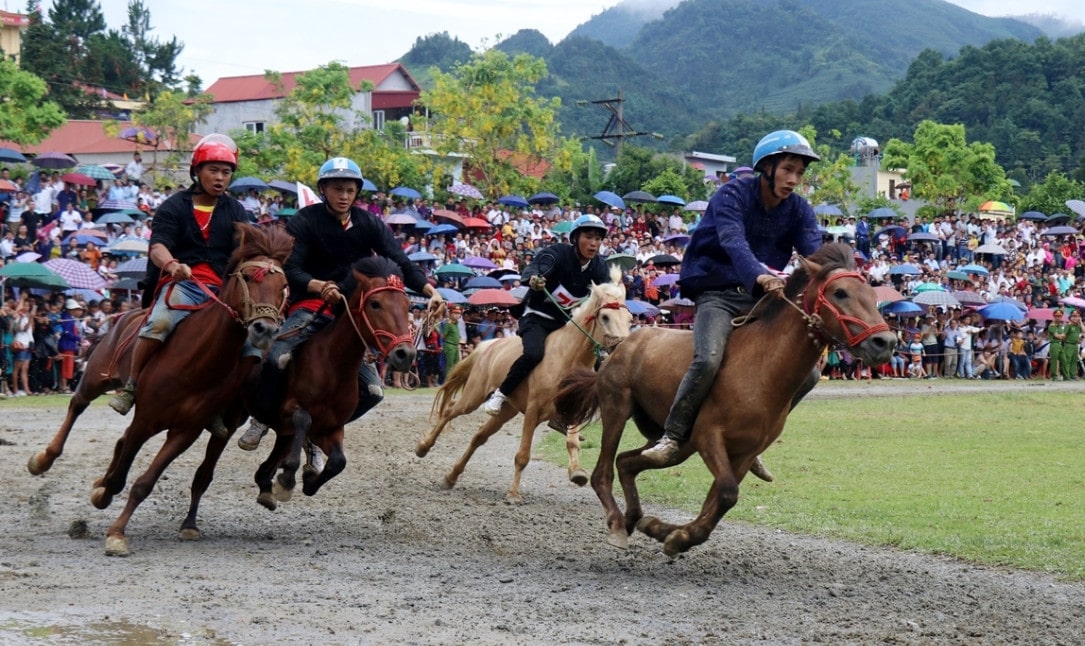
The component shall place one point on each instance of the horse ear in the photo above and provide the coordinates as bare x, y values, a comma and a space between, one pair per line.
809, 266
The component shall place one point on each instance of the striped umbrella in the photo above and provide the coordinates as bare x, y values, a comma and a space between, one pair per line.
77, 274
935, 297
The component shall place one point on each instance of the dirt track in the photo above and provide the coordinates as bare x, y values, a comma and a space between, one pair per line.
384, 555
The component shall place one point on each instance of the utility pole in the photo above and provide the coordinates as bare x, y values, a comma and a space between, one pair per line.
617, 128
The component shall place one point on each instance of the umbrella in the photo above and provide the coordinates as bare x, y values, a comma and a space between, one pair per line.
697, 205
138, 134
995, 205
1032, 215
680, 239
1077, 206
1002, 312
117, 205
636, 308
134, 268
478, 262
639, 196
993, 249
957, 274
892, 231
623, 260
1012, 301
423, 225
451, 216
476, 223
247, 183
129, 245
405, 191
610, 199
116, 217
1060, 231
83, 236
1058, 218
369, 186
400, 218
671, 199
7, 186
54, 160
1040, 314
928, 287
970, 298
902, 307
11, 156
513, 200
130, 284
451, 295
285, 213
421, 256
564, 226
77, 274
886, 294
665, 280
96, 172
79, 178
922, 236
454, 269
672, 303
882, 213
1073, 301
495, 297
32, 274
974, 269
905, 269
828, 209
283, 186
28, 256
543, 198
466, 190
663, 259
483, 282
934, 297
509, 278
442, 229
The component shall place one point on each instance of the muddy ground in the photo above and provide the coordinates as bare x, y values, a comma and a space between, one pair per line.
384, 555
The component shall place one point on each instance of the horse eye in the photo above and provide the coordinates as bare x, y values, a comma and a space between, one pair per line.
840, 293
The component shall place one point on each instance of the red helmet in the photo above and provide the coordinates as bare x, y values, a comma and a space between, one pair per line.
214, 148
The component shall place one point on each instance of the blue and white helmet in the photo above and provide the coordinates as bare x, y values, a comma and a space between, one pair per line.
587, 221
781, 142
340, 168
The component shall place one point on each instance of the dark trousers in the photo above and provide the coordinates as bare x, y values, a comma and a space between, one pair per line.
533, 332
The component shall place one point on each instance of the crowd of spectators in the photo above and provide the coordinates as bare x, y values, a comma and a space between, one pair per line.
992, 259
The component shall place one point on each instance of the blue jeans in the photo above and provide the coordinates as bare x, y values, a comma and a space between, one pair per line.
164, 316
964, 364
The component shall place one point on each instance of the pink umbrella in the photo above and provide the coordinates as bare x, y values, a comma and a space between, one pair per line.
79, 275
495, 297
1073, 301
1040, 314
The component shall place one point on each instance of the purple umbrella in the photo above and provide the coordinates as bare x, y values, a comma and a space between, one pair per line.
78, 274
478, 262
665, 280
466, 190
54, 160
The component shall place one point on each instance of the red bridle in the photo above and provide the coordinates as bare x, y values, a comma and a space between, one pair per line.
866, 330
384, 339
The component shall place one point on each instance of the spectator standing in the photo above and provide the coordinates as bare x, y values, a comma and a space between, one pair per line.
134, 169
965, 369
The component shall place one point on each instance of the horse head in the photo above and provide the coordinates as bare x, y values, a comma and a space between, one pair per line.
256, 289
839, 305
379, 309
604, 314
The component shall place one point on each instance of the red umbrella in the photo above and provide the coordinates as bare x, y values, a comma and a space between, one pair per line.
886, 294
476, 223
495, 297
79, 178
1040, 314
450, 216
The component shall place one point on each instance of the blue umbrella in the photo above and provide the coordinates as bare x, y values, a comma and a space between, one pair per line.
610, 199
1002, 312
905, 269
902, 307
1032, 215
116, 217
423, 225
442, 229
513, 200
283, 186
882, 213
636, 308
12, 156
671, 199
246, 183
828, 209
369, 186
405, 191
451, 295
134, 268
892, 231
974, 269
421, 256
483, 282
543, 198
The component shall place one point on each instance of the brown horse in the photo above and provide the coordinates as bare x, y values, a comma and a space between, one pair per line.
322, 386
769, 359
197, 374
600, 323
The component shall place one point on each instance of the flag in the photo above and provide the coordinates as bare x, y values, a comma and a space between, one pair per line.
306, 196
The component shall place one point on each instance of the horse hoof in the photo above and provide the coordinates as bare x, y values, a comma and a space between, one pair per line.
643, 523
676, 543
267, 501
579, 477
37, 465
619, 540
421, 450
190, 534
281, 493
448, 482
116, 546
100, 498
514, 498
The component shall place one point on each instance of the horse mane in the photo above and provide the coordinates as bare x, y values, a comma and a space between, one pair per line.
371, 267
830, 257
273, 242
601, 293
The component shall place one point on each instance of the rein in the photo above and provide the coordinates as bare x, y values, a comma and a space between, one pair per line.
252, 311
384, 339
597, 348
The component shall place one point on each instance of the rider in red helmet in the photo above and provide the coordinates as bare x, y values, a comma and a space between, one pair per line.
192, 237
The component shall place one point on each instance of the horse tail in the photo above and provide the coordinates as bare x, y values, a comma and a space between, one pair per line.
454, 383
577, 398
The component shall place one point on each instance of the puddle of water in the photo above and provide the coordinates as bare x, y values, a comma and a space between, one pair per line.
31, 630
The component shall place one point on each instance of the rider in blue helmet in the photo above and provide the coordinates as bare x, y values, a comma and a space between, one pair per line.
569, 271
328, 237
752, 226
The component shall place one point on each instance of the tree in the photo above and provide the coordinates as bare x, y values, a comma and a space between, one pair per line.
155, 61
26, 117
171, 116
487, 110
950, 174
1050, 196
831, 181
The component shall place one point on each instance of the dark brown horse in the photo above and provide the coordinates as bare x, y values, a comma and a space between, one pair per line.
322, 386
197, 374
767, 362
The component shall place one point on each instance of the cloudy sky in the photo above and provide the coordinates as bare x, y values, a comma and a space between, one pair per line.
240, 37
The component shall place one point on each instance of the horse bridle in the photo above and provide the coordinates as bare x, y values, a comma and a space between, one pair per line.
816, 323
384, 339
251, 311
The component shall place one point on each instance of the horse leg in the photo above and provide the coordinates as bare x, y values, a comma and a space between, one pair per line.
523, 456
266, 471
200, 482
602, 481
722, 496
332, 445
42, 461
177, 442
285, 482
488, 428
577, 475
112, 483
428, 440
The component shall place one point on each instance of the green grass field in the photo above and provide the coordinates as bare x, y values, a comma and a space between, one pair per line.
997, 479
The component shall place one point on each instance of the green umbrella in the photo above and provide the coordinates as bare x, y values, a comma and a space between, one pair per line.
285, 213
565, 226
928, 287
96, 172
623, 260
454, 269
31, 274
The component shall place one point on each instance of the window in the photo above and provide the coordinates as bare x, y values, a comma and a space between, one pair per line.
255, 127
378, 119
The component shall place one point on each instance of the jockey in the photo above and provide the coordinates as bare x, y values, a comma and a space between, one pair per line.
328, 238
570, 269
751, 224
192, 238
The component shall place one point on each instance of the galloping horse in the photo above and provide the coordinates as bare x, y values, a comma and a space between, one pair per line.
766, 363
322, 390
197, 374
602, 321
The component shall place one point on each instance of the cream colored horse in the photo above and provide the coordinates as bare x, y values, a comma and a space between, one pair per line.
606, 321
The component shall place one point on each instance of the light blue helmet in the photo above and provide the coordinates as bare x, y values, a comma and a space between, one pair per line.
339, 168
780, 142
587, 221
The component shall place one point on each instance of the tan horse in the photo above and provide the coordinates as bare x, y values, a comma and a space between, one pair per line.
601, 322
767, 364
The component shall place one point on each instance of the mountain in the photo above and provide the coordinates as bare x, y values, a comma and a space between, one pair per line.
1053, 26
